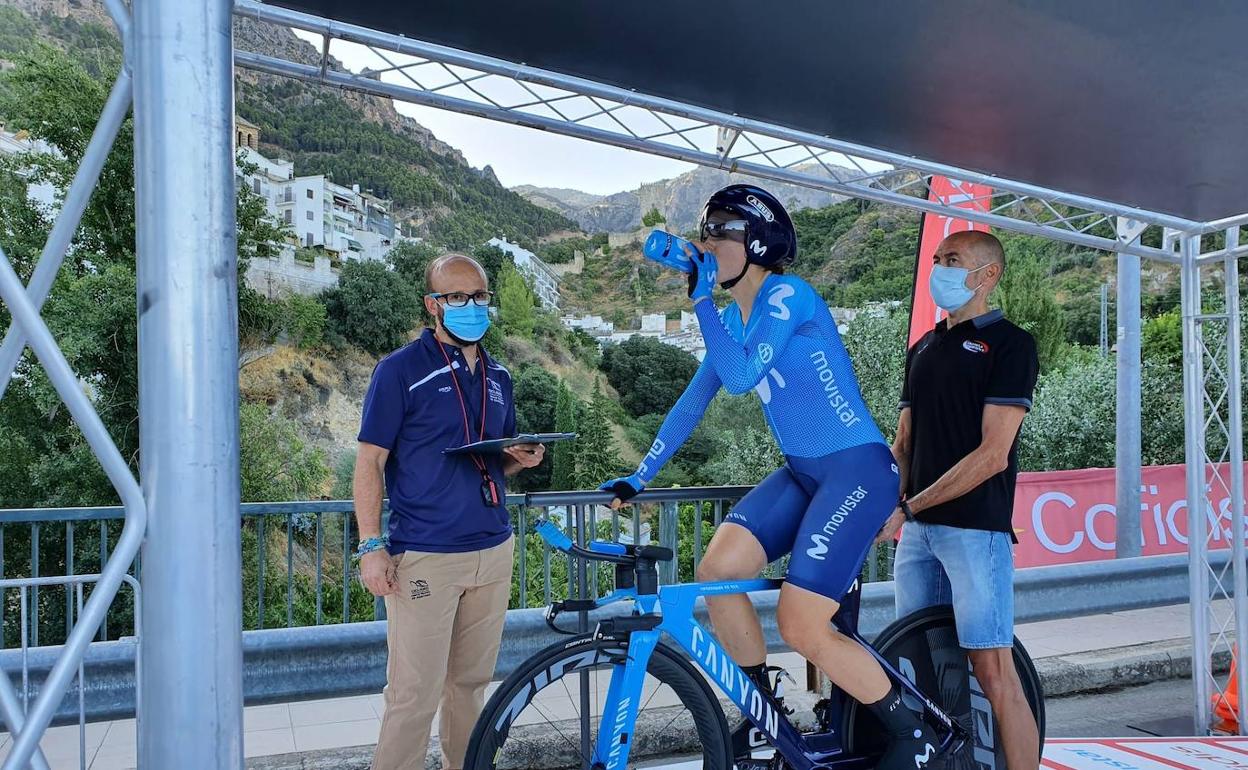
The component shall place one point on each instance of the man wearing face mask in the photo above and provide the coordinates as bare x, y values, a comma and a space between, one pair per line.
444, 564
968, 385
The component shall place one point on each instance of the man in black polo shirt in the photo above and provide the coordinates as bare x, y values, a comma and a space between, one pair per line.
969, 382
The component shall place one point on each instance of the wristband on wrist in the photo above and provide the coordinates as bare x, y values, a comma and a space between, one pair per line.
368, 545
905, 510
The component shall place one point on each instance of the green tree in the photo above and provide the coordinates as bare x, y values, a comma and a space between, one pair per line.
596, 457
91, 309
536, 395
305, 319
492, 260
409, 261
876, 342
1072, 422
515, 303
1026, 296
648, 375
276, 463
652, 218
745, 456
563, 463
1162, 338
372, 307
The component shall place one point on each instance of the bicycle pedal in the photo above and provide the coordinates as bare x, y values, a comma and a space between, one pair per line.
820, 710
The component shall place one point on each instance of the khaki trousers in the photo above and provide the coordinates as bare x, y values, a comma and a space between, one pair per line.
443, 631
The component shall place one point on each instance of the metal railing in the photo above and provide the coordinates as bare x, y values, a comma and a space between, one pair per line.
346, 658
297, 561
31, 664
281, 665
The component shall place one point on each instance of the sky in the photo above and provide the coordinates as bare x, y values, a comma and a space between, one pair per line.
521, 155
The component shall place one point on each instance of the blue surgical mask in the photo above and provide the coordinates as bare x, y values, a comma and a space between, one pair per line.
469, 323
948, 286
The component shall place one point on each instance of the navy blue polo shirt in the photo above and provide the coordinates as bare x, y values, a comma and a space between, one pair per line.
413, 410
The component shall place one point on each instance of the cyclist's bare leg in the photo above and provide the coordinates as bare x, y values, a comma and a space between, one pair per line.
735, 554
995, 670
804, 619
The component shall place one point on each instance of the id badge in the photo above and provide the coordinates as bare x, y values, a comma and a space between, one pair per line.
489, 492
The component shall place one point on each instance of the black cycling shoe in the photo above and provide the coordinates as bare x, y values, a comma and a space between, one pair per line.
915, 751
745, 737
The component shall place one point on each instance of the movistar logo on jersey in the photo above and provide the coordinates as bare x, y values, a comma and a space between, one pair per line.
776, 299
840, 404
820, 548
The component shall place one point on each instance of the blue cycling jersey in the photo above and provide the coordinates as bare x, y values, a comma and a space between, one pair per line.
791, 355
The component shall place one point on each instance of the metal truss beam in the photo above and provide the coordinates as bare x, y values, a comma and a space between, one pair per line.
1213, 392
460, 81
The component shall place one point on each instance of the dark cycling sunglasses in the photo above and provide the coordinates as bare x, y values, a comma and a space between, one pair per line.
461, 299
733, 230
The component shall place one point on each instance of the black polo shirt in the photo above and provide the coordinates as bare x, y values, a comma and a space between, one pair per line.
950, 375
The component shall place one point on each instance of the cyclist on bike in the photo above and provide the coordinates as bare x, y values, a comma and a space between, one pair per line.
839, 482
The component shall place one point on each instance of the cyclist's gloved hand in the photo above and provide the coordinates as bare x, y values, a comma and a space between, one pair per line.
702, 273
625, 487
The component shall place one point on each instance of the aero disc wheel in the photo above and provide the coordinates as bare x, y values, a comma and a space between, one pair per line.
534, 719
924, 647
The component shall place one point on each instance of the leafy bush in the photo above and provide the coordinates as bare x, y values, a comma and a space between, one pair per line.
372, 307
648, 375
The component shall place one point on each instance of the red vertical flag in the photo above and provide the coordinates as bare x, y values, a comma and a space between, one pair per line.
933, 229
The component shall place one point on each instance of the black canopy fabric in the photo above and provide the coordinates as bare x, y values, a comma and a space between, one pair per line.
1137, 102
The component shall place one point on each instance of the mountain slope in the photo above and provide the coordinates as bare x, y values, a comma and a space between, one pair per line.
354, 138
679, 199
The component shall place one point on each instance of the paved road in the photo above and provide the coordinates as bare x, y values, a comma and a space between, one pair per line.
1123, 712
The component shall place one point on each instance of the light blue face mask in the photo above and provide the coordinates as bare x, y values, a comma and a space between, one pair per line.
948, 286
469, 323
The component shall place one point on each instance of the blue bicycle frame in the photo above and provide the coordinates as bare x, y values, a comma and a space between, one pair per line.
673, 607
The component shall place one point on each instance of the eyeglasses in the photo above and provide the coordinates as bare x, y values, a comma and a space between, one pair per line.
719, 231
461, 299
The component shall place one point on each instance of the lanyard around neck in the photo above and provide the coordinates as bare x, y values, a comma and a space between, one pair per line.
463, 404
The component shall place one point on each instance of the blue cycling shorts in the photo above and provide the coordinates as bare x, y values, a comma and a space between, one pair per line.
826, 511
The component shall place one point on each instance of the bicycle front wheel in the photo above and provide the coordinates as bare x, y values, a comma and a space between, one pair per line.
923, 646
547, 714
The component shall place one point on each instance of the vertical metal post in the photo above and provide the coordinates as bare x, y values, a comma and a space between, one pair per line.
191, 680
1194, 432
668, 533
1127, 444
1235, 453
582, 624
1104, 320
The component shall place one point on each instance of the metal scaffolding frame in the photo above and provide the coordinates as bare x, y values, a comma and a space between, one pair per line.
177, 63
461, 81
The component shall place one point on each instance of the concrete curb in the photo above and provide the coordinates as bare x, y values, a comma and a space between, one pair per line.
1121, 667
1061, 675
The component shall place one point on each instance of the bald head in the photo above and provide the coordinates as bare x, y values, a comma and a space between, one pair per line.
455, 272
973, 249
976, 249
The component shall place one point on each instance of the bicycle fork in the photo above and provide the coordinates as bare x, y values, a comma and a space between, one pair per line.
619, 715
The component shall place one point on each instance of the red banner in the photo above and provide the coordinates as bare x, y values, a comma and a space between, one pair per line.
935, 228
1062, 517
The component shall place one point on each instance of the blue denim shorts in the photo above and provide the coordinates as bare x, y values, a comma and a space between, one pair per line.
972, 569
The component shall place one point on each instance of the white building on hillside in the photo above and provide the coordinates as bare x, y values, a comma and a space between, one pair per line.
593, 325
267, 180
20, 143
545, 281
